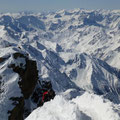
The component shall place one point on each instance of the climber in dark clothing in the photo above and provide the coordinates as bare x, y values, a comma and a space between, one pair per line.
48, 95
43, 94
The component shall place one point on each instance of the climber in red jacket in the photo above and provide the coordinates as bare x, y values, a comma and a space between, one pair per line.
48, 95
44, 96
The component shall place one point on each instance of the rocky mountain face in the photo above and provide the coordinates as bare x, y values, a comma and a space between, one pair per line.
44, 55
19, 85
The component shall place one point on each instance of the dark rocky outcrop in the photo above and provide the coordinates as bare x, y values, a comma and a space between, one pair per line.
30, 86
18, 110
38, 94
2, 59
0, 84
27, 83
29, 75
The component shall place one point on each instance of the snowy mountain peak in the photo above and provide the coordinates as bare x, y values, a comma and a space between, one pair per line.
67, 56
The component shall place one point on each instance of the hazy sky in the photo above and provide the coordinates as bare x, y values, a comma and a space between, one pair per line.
52, 5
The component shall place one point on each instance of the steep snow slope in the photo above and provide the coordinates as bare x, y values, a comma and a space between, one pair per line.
14, 66
8, 83
85, 107
80, 72
93, 75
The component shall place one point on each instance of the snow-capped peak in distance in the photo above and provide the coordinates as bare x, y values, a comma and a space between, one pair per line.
71, 54
94, 32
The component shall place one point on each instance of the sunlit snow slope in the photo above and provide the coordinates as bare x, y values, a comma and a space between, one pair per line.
75, 54
84, 107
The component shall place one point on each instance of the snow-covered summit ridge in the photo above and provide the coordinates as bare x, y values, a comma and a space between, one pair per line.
84, 107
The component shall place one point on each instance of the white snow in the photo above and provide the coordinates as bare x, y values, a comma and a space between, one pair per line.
71, 50
85, 107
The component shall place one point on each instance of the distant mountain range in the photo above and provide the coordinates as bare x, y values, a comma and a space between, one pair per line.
70, 55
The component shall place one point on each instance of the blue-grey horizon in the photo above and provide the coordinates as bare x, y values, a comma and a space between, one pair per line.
53, 5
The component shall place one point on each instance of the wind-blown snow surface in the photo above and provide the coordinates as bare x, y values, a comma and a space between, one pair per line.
77, 50
85, 107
